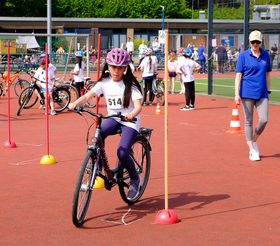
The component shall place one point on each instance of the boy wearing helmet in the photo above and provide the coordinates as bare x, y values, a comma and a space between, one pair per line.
40, 74
122, 93
187, 67
78, 72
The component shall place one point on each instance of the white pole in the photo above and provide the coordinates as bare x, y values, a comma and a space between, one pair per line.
49, 25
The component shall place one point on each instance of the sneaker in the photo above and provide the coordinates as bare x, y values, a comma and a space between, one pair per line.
191, 107
53, 112
134, 189
42, 107
144, 104
186, 108
150, 103
256, 148
254, 155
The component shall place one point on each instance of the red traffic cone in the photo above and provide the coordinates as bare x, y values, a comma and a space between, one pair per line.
235, 122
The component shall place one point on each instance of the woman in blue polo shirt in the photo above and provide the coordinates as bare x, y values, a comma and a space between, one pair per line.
252, 88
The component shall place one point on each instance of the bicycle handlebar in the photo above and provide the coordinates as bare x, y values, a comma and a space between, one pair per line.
79, 110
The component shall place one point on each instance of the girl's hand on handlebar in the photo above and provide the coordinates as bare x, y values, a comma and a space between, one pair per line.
130, 117
72, 106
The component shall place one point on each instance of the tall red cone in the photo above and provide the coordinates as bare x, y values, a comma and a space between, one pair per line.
235, 122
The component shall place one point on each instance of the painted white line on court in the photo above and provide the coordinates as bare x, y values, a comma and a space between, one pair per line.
21, 163
28, 144
122, 219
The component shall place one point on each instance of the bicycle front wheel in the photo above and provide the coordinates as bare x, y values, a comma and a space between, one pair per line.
20, 85
83, 188
61, 98
140, 153
27, 99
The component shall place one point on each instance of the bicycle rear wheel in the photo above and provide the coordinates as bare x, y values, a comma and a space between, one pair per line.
140, 153
159, 95
20, 85
61, 98
73, 92
91, 103
83, 188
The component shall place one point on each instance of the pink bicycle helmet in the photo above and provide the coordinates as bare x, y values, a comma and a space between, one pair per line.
118, 57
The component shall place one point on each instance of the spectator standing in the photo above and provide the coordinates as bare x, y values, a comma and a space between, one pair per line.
222, 57
252, 89
235, 56
130, 48
202, 58
142, 50
273, 53
34, 62
156, 48
172, 67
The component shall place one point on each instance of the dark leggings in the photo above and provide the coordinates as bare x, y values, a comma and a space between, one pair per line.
79, 86
148, 88
128, 136
189, 93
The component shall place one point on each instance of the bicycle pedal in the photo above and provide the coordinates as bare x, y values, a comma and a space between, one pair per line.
108, 185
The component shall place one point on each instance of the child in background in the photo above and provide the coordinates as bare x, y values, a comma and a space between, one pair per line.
172, 66
187, 67
40, 74
78, 72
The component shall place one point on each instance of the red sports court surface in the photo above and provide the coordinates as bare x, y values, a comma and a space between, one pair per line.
220, 196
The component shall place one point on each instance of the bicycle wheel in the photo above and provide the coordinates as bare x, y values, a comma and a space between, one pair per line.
159, 95
73, 92
20, 85
83, 188
140, 153
29, 97
91, 103
61, 98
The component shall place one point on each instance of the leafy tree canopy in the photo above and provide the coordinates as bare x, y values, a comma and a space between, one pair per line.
118, 8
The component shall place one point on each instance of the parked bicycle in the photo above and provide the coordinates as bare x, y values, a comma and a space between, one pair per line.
157, 90
28, 97
95, 166
87, 87
18, 83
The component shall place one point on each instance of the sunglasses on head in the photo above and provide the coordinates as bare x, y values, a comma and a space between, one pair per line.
255, 42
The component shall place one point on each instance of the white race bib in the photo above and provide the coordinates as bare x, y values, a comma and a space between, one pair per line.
115, 102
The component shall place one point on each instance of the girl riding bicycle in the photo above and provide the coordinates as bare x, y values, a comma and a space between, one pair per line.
78, 72
122, 93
